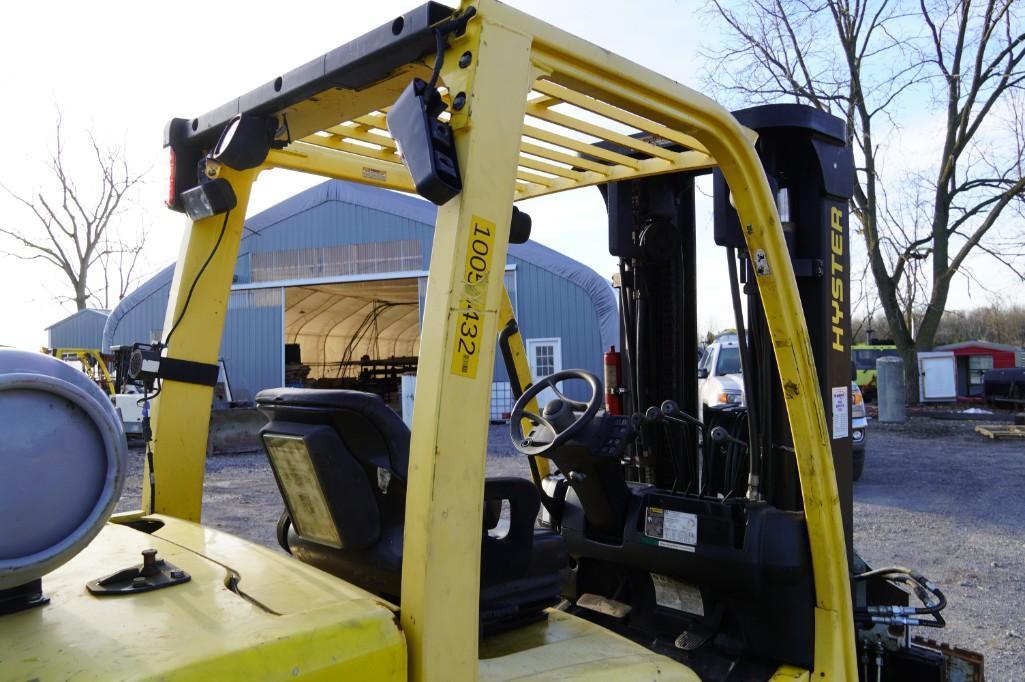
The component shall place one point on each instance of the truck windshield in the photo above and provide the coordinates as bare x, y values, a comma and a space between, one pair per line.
728, 362
865, 358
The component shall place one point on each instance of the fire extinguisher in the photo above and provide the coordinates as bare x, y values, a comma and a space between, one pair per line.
613, 366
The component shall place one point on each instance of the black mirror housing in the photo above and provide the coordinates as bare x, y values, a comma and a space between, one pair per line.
426, 143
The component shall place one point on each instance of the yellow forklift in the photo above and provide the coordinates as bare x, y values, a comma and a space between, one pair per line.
91, 361
649, 545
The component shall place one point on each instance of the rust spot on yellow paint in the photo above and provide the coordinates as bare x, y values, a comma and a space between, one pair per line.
790, 390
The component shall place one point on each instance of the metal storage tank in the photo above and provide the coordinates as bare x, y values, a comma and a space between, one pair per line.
340, 270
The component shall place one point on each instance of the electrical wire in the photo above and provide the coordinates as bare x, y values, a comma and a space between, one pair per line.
150, 396
439, 59
457, 24
188, 299
195, 280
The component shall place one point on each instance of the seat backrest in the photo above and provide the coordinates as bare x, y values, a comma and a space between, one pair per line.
340, 459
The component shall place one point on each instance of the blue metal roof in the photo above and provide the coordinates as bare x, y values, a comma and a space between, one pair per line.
376, 198
82, 329
84, 312
411, 213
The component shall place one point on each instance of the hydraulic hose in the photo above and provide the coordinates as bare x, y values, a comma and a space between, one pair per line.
932, 598
754, 452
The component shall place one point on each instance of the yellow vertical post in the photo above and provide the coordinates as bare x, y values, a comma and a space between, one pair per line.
181, 413
441, 556
521, 366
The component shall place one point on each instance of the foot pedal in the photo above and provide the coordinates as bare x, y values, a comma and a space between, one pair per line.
700, 632
603, 605
694, 637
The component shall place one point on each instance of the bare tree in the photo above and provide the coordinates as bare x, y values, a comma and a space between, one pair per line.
872, 63
73, 225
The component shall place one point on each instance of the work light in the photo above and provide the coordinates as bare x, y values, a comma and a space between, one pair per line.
208, 199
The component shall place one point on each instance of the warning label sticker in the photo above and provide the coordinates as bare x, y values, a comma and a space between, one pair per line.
676, 595
841, 417
374, 174
674, 526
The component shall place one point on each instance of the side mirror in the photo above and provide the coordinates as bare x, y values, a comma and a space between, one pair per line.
702, 373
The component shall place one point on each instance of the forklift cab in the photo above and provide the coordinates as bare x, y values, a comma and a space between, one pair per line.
676, 548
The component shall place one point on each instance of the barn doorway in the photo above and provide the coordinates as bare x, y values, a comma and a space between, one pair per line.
361, 335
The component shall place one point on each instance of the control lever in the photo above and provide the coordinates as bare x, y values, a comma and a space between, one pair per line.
671, 410
720, 435
636, 419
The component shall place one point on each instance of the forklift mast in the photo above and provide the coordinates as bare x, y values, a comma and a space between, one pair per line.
811, 170
652, 230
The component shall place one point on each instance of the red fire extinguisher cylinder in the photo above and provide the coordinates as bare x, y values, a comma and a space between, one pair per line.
613, 366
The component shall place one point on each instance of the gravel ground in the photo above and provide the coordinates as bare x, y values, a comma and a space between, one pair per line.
935, 496
938, 497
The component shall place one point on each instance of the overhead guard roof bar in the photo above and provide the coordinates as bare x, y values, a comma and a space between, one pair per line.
559, 121
553, 158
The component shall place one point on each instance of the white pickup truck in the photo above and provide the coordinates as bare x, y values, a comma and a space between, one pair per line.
720, 383
719, 379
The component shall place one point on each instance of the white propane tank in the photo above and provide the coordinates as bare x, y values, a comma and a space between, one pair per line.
63, 458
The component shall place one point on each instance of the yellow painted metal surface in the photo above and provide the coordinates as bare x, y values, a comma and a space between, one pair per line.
789, 673
441, 554
181, 413
522, 369
570, 648
534, 93
284, 619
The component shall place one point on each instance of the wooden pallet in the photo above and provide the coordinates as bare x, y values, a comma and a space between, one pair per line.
1001, 430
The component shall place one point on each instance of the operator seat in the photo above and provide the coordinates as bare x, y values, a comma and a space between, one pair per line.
340, 459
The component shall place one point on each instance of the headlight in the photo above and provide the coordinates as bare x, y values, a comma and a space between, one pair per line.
857, 403
729, 397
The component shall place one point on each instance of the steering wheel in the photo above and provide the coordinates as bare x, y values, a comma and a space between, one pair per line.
558, 430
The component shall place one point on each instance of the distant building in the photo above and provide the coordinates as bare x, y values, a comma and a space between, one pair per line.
83, 329
974, 358
339, 272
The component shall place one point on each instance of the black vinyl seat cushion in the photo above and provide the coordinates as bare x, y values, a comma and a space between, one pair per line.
359, 450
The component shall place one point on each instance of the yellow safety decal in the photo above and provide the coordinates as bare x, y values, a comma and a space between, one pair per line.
468, 322
374, 174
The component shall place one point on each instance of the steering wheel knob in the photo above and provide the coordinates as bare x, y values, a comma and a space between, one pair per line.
562, 417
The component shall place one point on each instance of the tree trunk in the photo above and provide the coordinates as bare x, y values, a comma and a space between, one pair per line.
81, 295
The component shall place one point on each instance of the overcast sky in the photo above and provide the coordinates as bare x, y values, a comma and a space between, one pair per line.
123, 69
